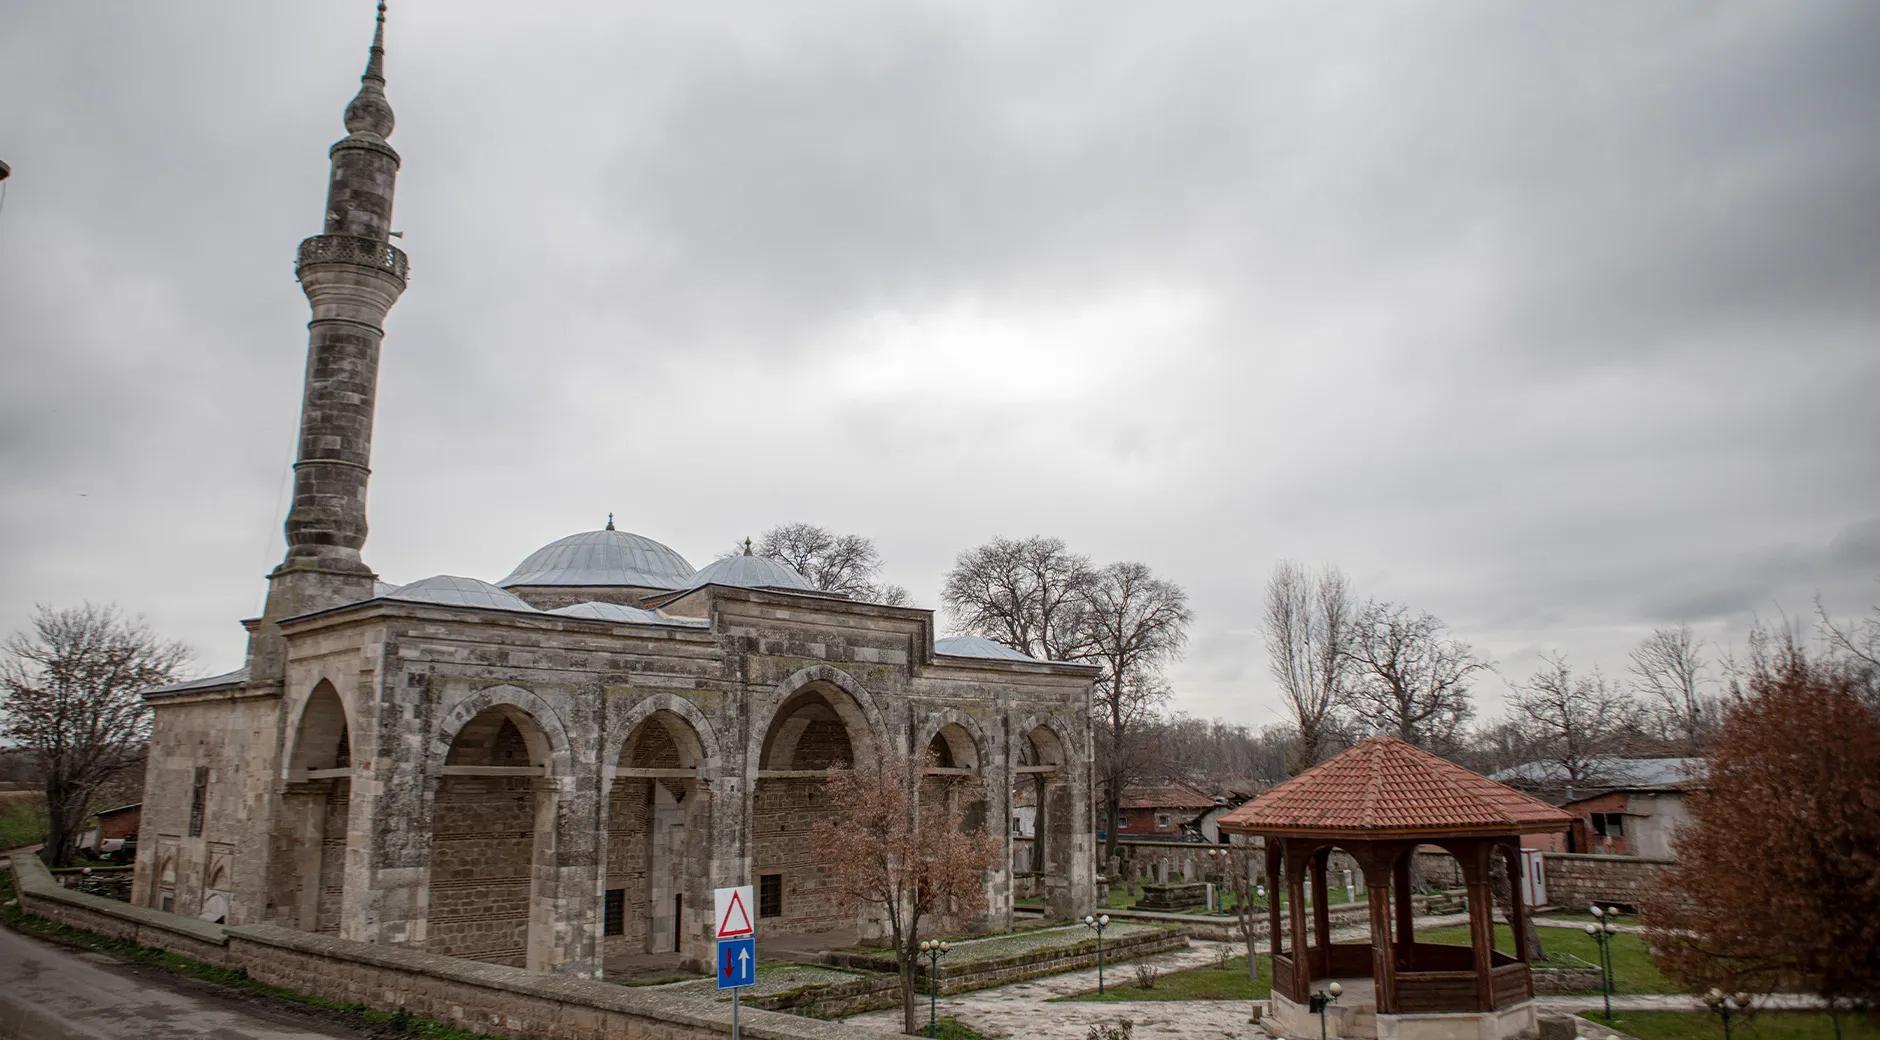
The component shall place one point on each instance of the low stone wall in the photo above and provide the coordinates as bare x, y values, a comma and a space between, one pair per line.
1578, 879
488, 998
1552, 981
1573, 879
42, 895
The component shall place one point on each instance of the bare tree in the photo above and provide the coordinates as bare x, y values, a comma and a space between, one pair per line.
1668, 671
1573, 721
845, 563
1027, 593
878, 857
1133, 623
1308, 627
1409, 677
72, 688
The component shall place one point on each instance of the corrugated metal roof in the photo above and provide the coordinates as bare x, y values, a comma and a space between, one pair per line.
977, 646
604, 557
1385, 786
1612, 773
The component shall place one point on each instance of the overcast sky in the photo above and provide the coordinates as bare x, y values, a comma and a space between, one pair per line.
1560, 321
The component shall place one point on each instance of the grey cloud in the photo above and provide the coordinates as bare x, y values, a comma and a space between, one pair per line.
1556, 322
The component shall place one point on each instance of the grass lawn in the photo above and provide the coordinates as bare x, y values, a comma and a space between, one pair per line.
1229, 983
1703, 1025
22, 822
953, 1029
1632, 967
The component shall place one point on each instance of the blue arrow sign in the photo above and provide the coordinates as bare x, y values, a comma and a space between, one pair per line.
737, 963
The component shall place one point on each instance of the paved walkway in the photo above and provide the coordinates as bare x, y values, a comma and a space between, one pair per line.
50, 992
1668, 1002
1021, 1011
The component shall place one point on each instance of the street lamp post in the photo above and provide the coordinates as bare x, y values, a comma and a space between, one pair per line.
1726, 1004
1322, 1000
1602, 930
1099, 922
934, 949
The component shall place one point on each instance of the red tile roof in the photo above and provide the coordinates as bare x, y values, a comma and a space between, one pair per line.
1385, 787
1165, 796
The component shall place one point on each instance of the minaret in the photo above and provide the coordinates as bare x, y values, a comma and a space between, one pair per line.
352, 275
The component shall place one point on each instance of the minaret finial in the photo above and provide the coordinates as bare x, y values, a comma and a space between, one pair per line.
747, 545
610, 521
375, 58
369, 111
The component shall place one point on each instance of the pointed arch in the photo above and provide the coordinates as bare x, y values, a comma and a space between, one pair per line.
540, 725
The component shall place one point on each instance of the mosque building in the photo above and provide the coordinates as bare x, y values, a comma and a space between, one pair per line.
554, 770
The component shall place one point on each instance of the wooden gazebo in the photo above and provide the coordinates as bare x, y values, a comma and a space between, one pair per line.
1377, 802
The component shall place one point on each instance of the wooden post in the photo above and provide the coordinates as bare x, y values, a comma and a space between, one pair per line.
1383, 966
1481, 924
1406, 911
1274, 929
1296, 905
1322, 910
1517, 906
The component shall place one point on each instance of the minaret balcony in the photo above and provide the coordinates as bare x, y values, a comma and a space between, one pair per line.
354, 250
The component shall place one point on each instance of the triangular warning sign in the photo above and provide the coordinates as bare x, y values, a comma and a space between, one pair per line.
736, 919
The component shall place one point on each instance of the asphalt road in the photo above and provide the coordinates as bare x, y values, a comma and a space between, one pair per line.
50, 992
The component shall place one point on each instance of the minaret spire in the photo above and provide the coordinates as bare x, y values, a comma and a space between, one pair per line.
369, 111
352, 276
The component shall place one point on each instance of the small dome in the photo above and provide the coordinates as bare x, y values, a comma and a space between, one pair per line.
976, 646
604, 557
749, 572
620, 613
451, 591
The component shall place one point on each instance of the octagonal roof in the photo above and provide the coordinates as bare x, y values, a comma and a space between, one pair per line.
1386, 787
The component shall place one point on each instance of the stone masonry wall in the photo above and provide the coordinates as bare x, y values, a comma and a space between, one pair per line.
480, 878
1577, 880
490, 998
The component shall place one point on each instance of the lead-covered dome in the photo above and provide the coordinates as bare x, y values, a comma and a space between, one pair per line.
452, 591
604, 557
749, 572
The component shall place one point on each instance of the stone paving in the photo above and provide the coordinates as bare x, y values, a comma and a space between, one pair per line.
1020, 1011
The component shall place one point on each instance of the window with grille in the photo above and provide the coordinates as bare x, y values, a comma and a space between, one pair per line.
770, 895
198, 793
614, 916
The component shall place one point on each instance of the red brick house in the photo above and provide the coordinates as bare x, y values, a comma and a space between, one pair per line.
1161, 810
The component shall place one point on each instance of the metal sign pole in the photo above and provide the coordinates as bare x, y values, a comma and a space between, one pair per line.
734, 1013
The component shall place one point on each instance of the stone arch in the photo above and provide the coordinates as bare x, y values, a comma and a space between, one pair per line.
319, 724
619, 728
860, 715
1038, 741
938, 723
305, 881
817, 718
500, 759
656, 854
548, 739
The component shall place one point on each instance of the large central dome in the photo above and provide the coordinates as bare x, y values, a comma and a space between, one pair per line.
604, 557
